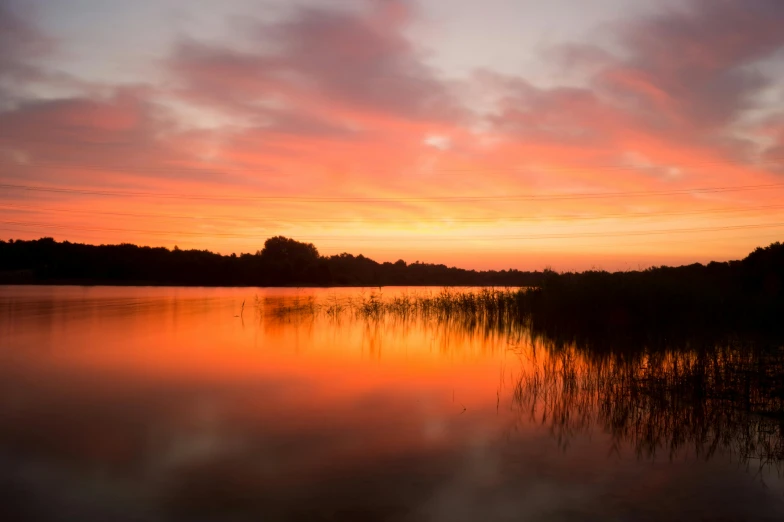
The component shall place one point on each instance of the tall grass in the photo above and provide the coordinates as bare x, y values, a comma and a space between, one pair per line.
490, 308
596, 311
728, 398
699, 392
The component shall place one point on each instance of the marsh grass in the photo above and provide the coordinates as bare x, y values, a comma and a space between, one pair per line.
285, 308
694, 394
728, 398
487, 309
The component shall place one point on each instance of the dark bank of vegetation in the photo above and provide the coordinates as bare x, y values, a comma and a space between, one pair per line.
282, 262
607, 311
593, 308
654, 306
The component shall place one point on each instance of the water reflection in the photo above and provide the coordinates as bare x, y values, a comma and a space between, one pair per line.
727, 397
161, 404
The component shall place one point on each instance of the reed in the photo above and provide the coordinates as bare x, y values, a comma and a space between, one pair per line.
698, 392
485, 305
728, 398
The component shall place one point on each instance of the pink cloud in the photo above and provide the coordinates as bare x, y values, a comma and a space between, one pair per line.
323, 60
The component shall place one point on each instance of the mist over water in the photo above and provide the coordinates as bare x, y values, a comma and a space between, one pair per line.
157, 404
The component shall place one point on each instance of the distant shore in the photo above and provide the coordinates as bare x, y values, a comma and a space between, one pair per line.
745, 295
282, 262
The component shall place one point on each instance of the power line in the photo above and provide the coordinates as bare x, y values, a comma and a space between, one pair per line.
312, 199
770, 236
444, 220
413, 238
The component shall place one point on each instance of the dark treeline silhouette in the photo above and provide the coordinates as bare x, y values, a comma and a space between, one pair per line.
593, 308
282, 262
651, 307
626, 310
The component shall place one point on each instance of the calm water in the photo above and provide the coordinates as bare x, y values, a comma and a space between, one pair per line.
175, 404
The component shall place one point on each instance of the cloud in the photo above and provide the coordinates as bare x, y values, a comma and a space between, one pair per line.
20, 42
19, 39
693, 67
676, 88
83, 127
564, 116
119, 140
341, 98
322, 61
325, 97
772, 132
437, 142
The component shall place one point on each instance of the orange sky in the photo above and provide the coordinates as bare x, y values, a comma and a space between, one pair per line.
648, 136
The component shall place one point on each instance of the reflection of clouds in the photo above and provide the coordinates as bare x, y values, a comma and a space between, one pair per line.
188, 445
434, 429
526, 478
200, 437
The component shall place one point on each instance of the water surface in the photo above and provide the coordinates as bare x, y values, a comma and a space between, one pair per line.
157, 404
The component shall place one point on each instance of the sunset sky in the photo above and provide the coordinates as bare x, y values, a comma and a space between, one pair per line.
484, 134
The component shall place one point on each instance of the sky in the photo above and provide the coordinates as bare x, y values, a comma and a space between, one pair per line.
613, 134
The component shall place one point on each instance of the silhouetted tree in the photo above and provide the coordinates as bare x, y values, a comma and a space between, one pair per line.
282, 262
652, 304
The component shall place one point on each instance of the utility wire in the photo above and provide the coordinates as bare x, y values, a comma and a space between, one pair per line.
410, 238
413, 220
313, 199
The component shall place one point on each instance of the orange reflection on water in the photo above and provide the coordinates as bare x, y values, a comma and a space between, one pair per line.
198, 335
181, 404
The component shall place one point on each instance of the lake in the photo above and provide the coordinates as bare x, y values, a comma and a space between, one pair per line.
157, 404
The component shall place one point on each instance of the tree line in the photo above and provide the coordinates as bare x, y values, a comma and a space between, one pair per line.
282, 262
662, 306
652, 306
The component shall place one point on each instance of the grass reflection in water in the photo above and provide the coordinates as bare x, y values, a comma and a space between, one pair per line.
694, 394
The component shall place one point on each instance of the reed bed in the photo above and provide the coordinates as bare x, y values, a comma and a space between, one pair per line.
692, 393
501, 307
729, 398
